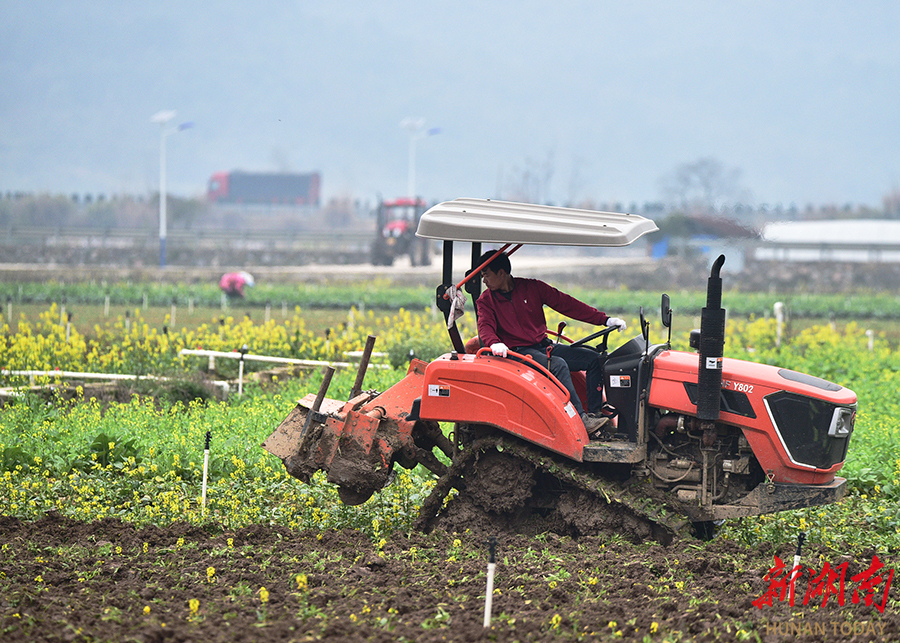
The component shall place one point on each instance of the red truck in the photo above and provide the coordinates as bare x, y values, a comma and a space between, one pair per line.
264, 188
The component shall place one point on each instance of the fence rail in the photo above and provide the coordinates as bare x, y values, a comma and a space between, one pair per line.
132, 238
204, 247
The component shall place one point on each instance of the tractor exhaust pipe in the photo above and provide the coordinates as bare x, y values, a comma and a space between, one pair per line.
712, 346
709, 378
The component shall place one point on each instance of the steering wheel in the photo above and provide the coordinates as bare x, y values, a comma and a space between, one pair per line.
603, 332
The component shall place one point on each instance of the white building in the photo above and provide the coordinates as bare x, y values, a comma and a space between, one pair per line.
845, 240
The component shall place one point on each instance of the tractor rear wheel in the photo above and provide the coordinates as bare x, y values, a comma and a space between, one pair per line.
505, 484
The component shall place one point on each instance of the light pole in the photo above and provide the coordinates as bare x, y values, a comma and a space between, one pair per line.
163, 119
416, 127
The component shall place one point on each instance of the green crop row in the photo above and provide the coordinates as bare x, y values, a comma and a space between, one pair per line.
369, 295
379, 296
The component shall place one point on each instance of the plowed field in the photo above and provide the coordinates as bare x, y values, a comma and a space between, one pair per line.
62, 580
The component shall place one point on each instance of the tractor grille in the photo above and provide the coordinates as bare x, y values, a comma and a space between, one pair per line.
814, 432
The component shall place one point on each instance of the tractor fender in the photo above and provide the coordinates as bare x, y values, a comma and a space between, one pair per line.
515, 395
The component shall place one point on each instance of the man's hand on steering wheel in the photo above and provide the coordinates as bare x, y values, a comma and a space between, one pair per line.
617, 323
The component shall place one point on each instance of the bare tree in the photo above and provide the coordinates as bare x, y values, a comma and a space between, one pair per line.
703, 184
891, 202
576, 181
529, 184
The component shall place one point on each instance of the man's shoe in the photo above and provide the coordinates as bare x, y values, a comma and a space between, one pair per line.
593, 423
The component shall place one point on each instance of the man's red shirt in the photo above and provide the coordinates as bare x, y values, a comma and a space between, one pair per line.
518, 320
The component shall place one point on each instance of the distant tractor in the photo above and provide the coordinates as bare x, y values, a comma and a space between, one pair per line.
395, 233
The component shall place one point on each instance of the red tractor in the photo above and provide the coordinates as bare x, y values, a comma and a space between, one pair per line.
395, 233
696, 437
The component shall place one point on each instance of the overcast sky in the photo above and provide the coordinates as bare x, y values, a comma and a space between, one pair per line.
601, 100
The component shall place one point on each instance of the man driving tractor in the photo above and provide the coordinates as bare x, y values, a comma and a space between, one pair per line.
511, 318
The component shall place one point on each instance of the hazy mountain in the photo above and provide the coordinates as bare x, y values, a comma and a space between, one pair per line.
585, 99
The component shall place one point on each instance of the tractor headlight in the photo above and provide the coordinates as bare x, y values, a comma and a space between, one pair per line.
842, 422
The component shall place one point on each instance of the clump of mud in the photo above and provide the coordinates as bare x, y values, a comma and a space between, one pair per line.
575, 515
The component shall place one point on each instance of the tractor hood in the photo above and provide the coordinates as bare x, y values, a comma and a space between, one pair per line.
488, 221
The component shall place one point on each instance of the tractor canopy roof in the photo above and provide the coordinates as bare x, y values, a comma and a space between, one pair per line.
489, 221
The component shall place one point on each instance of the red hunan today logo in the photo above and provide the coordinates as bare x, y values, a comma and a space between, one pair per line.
870, 587
826, 583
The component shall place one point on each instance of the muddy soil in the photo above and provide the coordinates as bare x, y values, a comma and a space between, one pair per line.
62, 580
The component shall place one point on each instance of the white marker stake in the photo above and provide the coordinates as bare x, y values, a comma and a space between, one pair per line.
489, 592
205, 470
796, 570
243, 352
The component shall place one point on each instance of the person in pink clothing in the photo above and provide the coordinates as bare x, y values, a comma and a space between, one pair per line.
232, 283
511, 318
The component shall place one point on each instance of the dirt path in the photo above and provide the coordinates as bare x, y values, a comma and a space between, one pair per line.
62, 580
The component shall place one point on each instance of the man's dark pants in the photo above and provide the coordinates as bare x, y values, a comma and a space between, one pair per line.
565, 359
